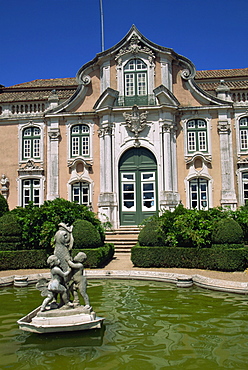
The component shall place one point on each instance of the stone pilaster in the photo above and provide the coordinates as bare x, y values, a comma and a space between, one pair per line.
228, 195
169, 194
53, 163
107, 202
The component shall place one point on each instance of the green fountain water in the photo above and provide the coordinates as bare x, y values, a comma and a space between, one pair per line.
148, 325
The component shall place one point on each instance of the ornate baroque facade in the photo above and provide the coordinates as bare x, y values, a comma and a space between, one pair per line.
138, 130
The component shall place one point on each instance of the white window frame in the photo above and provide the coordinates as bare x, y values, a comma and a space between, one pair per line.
120, 73
243, 134
82, 185
126, 181
185, 120
143, 181
199, 201
21, 140
20, 182
74, 123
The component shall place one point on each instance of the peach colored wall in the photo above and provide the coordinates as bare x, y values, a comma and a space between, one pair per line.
158, 79
180, 89
214, 168
113, 80
92, 94
9, 159
64, 170
64, 174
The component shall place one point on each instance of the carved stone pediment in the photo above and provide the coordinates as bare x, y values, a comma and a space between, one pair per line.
134, 48
30, 168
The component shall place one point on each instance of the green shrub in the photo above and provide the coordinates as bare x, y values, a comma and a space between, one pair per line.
86, 235
227, 231
203, 258
39, 224
9, 225
151, 234
97, 257
10, 232
25, 259
228, 246
3, 205
37, 259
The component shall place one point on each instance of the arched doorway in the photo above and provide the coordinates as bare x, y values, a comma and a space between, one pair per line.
138, 186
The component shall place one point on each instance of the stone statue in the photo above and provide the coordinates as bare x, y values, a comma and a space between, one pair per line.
67, 280
57, 284
5, 186
63, 245
67, 276
79, 281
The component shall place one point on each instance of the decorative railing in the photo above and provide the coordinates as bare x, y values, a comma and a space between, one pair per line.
238, 97
27, 108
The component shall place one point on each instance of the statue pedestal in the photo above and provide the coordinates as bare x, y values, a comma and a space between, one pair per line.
60, 320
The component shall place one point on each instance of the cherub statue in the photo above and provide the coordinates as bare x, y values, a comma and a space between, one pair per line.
57, 284
79, 281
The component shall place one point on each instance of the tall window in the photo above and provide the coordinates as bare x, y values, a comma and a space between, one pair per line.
135, 80
245, 186
197, 135
198, 192
31, 143
243, 132
80, 140
80, 193
31, 192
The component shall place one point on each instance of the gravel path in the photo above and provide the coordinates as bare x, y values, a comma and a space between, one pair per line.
123, 262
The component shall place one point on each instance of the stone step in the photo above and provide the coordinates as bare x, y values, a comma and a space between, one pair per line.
123, 239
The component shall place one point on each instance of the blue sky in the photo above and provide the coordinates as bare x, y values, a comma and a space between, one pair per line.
54, 38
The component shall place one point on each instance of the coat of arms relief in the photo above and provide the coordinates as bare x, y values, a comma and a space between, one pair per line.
136, 122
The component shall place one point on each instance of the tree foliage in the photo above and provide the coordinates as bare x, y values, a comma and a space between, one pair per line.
39, 224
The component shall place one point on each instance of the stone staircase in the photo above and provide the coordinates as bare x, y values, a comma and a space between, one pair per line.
123, 238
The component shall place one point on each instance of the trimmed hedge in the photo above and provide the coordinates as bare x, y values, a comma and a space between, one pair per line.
26, 259
37, 259
151, 234
227, 231
10, 232
86, 235
204, 258
96, 257
227, 246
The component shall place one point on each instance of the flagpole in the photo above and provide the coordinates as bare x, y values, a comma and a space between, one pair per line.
102, 25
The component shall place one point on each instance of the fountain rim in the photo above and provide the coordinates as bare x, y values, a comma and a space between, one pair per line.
181, 280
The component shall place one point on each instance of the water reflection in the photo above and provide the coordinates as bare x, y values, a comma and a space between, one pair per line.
148, 325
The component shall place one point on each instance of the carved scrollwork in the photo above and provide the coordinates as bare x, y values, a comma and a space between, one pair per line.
54, 134
86, 80
185, 74
223, 127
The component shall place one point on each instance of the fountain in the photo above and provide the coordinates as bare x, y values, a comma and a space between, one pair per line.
67, 280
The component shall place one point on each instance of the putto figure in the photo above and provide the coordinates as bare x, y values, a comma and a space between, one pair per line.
79, 281
57, 284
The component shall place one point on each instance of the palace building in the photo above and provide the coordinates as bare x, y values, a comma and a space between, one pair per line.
137, 131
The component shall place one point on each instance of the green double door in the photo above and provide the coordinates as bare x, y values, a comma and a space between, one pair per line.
138, 186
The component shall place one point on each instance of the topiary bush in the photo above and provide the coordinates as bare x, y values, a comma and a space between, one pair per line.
86, 235
10, 232
227, 231
151, 234
3, 205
